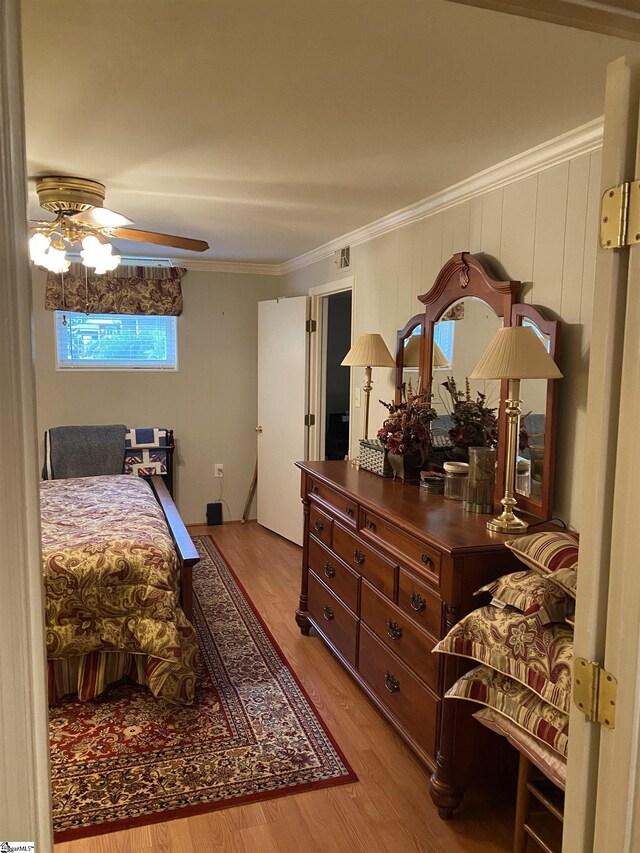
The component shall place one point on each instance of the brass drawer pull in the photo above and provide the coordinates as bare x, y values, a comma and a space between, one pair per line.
426, 559
417, 602
349, 511
319, 525
314, 489
394, 630
358, 556
329, 571
371, 524
328, 613
391, 682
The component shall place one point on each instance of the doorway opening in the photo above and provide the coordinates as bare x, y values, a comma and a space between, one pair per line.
337, 326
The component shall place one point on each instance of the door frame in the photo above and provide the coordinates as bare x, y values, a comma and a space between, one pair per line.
602, 782
318, 363
25, 800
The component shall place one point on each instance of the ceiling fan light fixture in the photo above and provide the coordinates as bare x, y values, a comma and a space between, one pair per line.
81, 218
38, 246
55, 260
97, 255
45, 254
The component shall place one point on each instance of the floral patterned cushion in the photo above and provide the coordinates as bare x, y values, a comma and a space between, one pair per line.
546, 552
553, 765
532, 595
539, 656
516, 702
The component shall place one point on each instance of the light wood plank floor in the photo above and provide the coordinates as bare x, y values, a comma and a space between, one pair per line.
388, 809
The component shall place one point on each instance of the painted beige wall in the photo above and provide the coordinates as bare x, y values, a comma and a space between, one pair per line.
210, 403
542, 230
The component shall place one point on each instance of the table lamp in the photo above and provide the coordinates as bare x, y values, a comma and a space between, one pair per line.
411, 354
368, 351
514, 353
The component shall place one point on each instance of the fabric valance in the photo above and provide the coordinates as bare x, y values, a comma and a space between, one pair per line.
125, 290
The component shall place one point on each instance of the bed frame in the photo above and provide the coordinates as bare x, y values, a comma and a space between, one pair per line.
185, 549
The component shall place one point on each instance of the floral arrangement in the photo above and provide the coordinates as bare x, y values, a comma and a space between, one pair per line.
474, 423
408, 426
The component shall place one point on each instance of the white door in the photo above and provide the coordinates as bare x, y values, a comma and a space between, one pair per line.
282, 407
603, 784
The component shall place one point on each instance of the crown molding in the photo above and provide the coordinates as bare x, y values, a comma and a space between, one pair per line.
581, 140
247, 268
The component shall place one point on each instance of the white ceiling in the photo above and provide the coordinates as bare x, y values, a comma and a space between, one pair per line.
269, 127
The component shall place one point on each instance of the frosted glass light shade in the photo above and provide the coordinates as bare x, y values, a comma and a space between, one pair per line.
369, 351
516, 352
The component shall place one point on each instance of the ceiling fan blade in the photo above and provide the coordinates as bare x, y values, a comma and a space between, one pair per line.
101, 217
160, 239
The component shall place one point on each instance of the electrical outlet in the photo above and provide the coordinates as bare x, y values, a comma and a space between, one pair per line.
357, 398
218, 470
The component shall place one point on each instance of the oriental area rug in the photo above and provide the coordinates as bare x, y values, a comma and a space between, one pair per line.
129, 759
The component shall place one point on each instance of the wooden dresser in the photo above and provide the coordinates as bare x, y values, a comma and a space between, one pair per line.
387, 570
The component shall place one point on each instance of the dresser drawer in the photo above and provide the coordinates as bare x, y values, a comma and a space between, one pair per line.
346, 508
333, 619
418, 600
410, 549
334, 574
361, 558
401, 634
412, 704
320, 525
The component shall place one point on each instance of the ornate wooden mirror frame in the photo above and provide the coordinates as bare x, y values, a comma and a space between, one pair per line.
402, 337
469, 275
466, 275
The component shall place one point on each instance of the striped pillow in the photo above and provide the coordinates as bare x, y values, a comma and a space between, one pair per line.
546, 553
539, 656
518, 703
553, 765
532, 595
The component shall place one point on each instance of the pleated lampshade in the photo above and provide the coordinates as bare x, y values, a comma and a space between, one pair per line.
411, 354
516, 352
439, 358
369, 351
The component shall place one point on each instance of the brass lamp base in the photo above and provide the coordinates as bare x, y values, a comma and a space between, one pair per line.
507, 522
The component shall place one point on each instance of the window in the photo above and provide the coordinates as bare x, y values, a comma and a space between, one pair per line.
443, 336
115, 341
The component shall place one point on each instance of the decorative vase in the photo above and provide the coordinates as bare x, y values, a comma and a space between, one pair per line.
407, 466
481, 481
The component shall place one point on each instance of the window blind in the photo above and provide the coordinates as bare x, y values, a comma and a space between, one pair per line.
115, 341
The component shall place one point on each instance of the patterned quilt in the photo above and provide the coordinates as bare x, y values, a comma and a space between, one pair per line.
112, 581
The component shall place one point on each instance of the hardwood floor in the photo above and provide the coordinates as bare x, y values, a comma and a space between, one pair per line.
388, 809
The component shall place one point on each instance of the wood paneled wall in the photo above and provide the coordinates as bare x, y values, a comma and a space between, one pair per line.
542, 230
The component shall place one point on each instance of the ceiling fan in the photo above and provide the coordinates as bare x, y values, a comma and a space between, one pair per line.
82, 219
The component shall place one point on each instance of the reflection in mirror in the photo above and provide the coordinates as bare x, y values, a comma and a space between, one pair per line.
530, 463
411, 359
462, 335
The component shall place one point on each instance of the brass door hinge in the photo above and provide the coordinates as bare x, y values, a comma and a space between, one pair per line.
620, 216
595, 692
311, 326
309, 420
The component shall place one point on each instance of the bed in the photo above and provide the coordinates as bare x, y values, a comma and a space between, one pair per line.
117, 560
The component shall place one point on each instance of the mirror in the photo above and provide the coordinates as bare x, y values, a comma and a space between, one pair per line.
466, 305
535, 464
460, 337
464, 308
